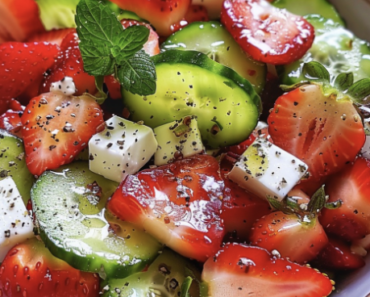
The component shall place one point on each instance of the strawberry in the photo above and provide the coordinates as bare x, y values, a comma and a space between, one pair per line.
11, 122
162, 14
266, 33
70, 64
56, 128
300, 240
195, 13
351, 185
322, 131
19, 19
29, 269
239, 270
178, 204
337, 255
23, 66
54, 36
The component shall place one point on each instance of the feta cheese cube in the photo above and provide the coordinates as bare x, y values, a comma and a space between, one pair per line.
266, 170
178, 138
16, 224
121, 149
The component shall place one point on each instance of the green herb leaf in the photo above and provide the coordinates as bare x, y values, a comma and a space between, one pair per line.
132, 40
185, 287
360, 90
344, 81
275, 204
315, 71
317, 201
97, 59
137, 75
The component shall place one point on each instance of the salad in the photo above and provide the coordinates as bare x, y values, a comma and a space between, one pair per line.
181, 148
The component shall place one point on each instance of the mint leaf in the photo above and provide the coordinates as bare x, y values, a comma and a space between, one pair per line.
97, 24
132, 40
98, 60
137, 74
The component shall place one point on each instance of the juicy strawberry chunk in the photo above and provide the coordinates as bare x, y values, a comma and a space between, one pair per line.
11, 122
23, 65
351, 221
19, 19
53, 36
337, 255
293, 238
178, 204
268, 34
239, 270
29, 269
160, 13
56, 128
70, 64
195, 13
318, 129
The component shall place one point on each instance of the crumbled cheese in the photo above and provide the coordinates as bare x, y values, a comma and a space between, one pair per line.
66, 86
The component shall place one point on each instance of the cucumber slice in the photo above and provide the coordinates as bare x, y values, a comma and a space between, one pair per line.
189, 83
320, 7
164, 278
336, 48
212, 39
69, 207
12, 163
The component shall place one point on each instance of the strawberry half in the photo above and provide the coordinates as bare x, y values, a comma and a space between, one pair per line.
239, 270
322, 131
19, 19
178, 204
266, 33
56, 128
29, 269
11, 122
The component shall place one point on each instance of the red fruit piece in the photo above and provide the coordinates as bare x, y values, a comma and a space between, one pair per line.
298, 240
195, 13
56, 128
178, 204
351, 221
29, 269
22, 66
239, 270
162, 14
70, 64
321, 131
19, 19
11, 122
337, 255
53, 36
268, 34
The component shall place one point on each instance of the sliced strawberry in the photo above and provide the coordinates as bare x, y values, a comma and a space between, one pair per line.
114, 87
318, 129
351, 221
239, 270
178, 204
53, 36
70, 64
11, 122
337, 255
268, 34
22, 66
195, 13
29, 269
294, 238
160, 13
56, 128
19, 19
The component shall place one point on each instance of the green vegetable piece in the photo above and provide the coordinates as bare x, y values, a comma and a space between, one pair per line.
167, 276
212, 39
12, 163
190, 83
69, 204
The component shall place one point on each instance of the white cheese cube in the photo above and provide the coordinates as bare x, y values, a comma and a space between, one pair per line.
16, 224
178, 138
121, 149
266, 170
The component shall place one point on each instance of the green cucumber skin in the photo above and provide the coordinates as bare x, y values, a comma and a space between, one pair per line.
12, 150
190, 83
351, 53
212, 39
167, 267
320, 7
58, 198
